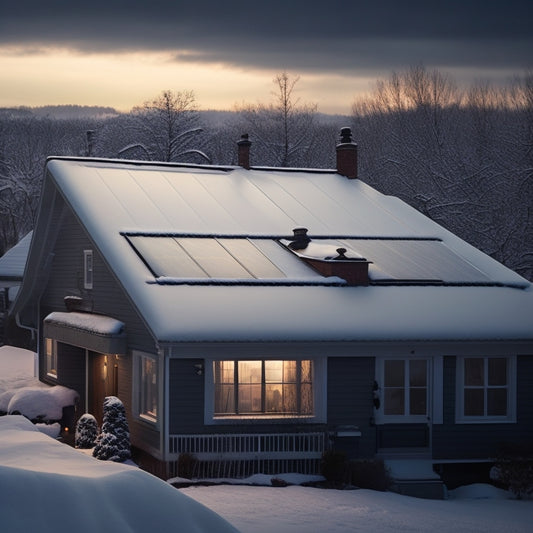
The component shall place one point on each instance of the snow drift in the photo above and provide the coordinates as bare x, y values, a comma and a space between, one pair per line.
50, 487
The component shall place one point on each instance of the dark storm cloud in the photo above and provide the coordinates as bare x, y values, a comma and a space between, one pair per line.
285, 34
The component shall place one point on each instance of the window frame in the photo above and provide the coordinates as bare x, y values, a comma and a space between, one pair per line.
140, 397
50, 357
510, 417
318, 395
380, 416
88, 269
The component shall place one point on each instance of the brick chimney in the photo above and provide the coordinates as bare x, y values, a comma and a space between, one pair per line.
244, 151
347, 155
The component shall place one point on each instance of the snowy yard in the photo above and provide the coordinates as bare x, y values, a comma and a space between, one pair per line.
294, 509
46, 488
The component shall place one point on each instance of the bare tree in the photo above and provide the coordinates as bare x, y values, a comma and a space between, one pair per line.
465, 160
284, 132
166, 128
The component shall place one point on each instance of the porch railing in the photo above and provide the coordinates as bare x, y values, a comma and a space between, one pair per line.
241, 455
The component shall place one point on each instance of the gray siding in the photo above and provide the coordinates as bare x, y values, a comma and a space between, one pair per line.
350, 381
106, 297
482, 441
186, 407
186, 397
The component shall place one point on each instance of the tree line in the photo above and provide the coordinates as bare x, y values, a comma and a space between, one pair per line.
462, 157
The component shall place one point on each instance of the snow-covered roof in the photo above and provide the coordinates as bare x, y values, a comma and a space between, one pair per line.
13, 262
117, 199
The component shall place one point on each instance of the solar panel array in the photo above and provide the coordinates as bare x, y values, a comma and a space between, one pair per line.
242, 258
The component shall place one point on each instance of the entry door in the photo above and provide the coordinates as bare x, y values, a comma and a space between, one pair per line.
103, 381
403, 403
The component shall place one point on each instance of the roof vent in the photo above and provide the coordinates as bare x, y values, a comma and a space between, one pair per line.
300, 239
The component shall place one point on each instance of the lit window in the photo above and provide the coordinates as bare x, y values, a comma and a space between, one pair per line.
147, 398
88, 269
263, 388
485, 388
51, 358
404, 389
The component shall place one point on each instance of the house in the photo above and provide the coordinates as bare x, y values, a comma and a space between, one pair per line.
12, 265
254, 317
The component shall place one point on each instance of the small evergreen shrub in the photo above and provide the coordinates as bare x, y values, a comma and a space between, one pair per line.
370, 474
187, 463
514, 469
334, 467
113, 443
86, 432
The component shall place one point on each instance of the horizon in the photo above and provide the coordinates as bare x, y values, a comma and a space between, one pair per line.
104, 54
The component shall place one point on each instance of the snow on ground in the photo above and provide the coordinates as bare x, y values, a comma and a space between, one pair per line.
297, 509
22, 393
48, 487
17, 369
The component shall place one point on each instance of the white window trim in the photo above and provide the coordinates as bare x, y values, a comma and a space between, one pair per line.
88, 269
136, 389
510, 418
433, 389
50, 350
319, 398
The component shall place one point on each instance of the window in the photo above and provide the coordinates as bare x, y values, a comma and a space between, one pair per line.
486, 389
51, 357
404, 391
87, 269
263, 388
147, 394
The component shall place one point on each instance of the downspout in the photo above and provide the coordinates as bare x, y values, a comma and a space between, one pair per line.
34, 331
164, 401
34, 334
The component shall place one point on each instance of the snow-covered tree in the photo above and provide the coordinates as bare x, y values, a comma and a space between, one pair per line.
461, 158
86, 432
166, 129
113, 443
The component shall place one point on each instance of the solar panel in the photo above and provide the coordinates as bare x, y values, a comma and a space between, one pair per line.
205, 257
415, 260
241, 258
164, 256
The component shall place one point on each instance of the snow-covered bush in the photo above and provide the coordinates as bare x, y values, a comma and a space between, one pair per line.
334, 467
113, 443
52, 430
42, 404
86, 432
370, 474
514, 469
5, 398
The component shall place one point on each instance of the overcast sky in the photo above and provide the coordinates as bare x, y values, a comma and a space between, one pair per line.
121, 53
